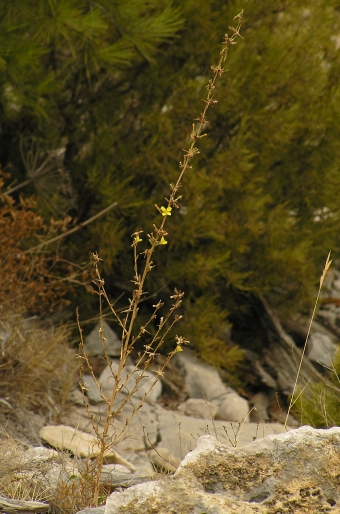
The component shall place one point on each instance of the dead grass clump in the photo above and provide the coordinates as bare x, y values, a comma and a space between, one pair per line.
16, 478
37, 367
41, 474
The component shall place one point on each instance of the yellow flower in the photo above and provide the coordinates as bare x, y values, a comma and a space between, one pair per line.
179, 348
137, 239
163, 241
166, 211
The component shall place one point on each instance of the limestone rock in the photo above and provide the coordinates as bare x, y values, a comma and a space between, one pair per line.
295, 472
260, 402
8, 505
198, 408
203, 381
117, 476
180, 433
322, 343
93, 343
107, 381
232, 407
282, 355
321, 349
79, 443
92, 391
32, 472
46, 467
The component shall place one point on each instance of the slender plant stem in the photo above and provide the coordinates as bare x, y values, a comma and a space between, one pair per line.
74, 229
127, 323
322, 278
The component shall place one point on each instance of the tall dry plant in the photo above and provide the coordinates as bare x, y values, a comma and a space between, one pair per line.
127, 322
294, 398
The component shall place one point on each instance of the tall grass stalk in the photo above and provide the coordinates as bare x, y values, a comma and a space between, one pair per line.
293, 400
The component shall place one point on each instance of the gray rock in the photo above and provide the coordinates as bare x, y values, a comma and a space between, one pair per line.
322, 343
264, 376
118, 476
75, 397
198, 408
92, 391
329, 314
232, 407
321, 349
260, 402
107, 381
93, 343
204, 382
180, 433
155, 426
295, 472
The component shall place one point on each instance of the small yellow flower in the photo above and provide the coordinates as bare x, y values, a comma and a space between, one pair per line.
179, 348
166, 211
137, 239
163, 241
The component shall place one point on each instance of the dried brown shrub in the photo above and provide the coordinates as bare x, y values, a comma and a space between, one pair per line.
32, 275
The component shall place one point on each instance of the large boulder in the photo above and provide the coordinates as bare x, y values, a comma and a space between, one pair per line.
295, 472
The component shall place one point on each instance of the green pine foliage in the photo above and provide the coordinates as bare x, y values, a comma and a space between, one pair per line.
101, 84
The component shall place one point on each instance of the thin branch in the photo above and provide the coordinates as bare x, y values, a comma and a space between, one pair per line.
72, 230
18, 186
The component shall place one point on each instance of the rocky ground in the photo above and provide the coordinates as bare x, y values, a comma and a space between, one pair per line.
226, 453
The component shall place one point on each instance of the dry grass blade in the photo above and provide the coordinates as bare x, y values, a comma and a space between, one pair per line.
322, 278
